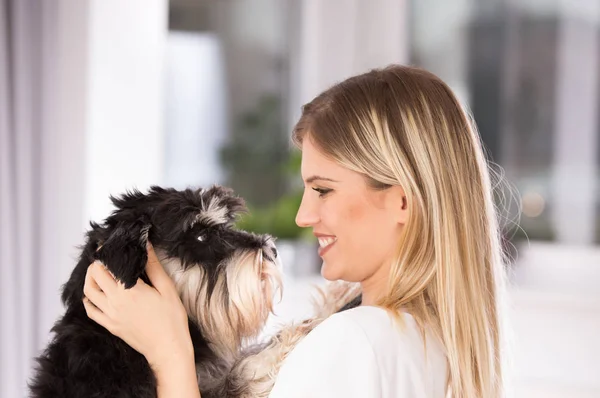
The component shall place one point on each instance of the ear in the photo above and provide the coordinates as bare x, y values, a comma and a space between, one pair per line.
124, 252
226, 198
397, 203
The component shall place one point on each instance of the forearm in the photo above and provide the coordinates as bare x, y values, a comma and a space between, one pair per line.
178, 379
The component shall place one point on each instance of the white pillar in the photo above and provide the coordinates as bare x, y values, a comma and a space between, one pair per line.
341, 38
102, 115
441, 35
196, 109
575, 174
125, 132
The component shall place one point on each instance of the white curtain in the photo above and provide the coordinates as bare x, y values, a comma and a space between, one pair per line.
34, 154
20, 139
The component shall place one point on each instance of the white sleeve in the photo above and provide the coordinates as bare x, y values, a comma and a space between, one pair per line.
335, 360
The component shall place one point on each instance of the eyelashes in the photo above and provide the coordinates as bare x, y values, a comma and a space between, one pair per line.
322, 191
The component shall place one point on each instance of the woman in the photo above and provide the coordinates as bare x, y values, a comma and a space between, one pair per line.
398, 192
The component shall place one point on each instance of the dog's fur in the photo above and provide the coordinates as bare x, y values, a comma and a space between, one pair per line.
226, 279
254, 373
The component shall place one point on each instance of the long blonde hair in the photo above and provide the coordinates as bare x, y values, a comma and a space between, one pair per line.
403, 126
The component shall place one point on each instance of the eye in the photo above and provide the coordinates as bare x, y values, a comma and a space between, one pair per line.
201, 237
322, 191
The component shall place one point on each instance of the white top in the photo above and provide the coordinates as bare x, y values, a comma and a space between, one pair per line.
362, 353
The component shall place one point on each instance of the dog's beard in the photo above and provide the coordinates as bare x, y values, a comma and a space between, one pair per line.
238, 306
251, 283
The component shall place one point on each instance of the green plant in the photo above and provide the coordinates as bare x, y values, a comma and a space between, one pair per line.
263, 169
277, 220
279, 217
256, 153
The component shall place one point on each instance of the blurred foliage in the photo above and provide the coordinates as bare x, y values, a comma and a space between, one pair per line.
256, 154
279, 218
265, 171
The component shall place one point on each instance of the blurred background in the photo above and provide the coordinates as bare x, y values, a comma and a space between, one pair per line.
99, 96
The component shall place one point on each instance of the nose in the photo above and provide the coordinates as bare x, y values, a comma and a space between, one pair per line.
307, 214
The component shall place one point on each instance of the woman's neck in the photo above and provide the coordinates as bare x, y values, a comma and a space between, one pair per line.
375, 286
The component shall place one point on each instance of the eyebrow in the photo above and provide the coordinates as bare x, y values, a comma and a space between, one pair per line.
312, 179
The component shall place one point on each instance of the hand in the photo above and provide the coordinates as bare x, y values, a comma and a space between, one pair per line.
152, 320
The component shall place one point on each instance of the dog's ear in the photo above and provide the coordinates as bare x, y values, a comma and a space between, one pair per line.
220, 204
124, 252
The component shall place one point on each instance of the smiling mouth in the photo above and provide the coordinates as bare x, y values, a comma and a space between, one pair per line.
325, 244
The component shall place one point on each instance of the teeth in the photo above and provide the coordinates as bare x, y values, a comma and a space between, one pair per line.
323, 242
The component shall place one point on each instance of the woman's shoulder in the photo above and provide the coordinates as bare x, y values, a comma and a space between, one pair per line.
384, 333
396, 341
335, 359
370, 334
374, 354
353, 329
373, 322
371, 319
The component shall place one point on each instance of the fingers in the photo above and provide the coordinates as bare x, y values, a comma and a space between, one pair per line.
92, 290
95, 314
102, 277
156, 273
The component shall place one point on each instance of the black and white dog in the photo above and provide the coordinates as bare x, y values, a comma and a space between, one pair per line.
226, 279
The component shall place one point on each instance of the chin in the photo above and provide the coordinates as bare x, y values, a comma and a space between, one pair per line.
331, 272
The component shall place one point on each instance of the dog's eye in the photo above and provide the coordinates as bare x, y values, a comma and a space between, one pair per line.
202, 237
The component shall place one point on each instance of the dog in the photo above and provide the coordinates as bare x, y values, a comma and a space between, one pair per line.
226, 279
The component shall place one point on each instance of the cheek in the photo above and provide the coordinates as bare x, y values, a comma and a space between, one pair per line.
346, 220
354, 213
354, 227
367, 234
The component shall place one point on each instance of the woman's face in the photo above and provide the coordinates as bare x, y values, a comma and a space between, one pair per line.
358, 227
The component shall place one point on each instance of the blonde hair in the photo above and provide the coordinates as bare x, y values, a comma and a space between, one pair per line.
403, 126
